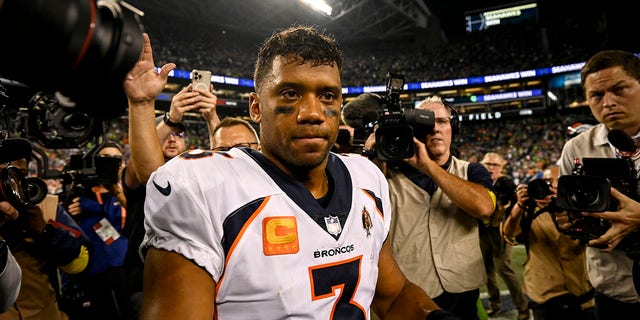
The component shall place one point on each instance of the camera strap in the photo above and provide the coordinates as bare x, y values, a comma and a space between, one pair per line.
526, 222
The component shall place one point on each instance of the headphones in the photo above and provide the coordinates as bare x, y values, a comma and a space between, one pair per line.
455, 120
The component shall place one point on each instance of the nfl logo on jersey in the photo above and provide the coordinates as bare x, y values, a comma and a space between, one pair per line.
333, 225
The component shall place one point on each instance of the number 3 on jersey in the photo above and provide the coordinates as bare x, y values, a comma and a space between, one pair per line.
343, 275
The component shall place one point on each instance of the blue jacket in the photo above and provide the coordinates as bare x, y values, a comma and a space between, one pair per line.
106, 253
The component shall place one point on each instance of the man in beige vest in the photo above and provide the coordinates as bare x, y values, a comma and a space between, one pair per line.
436, 200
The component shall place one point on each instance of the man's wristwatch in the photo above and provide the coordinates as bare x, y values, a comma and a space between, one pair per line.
168, 121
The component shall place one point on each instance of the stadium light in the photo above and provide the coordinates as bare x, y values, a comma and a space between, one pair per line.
318, 5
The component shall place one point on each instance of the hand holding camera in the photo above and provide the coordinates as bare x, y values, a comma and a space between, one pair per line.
201, 82
624, 220
565, 204
536, 194
8, 212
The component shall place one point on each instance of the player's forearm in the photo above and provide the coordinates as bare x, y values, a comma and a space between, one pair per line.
146, 150
411, 303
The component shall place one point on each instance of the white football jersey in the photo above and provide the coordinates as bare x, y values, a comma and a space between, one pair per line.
273, 250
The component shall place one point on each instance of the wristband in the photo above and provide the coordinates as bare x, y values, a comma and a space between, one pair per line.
168, 121
521, 207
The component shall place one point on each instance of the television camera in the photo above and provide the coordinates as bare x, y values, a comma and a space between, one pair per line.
396, 126
82, 49
60, 99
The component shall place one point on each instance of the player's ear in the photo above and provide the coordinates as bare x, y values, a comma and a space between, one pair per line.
254, 107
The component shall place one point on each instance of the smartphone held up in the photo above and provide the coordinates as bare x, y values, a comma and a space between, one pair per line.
200, 79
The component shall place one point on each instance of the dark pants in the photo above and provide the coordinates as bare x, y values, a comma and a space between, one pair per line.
97, 297
497, 262
564, 307
611, 309
463, 304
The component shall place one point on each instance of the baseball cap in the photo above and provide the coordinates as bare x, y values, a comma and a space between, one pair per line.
578, 127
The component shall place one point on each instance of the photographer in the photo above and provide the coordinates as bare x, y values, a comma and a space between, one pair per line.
99, 210
555, 276
496, 254
43, 238
436, 200
611, 83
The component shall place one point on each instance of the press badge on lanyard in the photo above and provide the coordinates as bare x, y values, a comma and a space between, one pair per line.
105, 230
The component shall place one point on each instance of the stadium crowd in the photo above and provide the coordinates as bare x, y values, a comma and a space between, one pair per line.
529, 143
503, 48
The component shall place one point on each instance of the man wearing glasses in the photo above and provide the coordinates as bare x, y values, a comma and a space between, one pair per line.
234, 133
436, 200
497, 255
171, 138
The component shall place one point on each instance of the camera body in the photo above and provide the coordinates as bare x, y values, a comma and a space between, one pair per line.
398, 126
588, 189
505, 190
84, 49
85, 171
538, 189
584, 193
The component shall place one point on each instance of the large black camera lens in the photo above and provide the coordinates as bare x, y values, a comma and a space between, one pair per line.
422, 121
584, 193
505, 190
587, 196
84, 49
36, 190
394, 143
539, 189
14, 187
